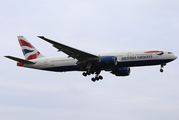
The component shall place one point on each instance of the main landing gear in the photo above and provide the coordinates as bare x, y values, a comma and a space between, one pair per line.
96, 78
87, 73
162, 65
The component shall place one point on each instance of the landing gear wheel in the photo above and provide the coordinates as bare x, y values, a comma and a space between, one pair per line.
93, 79
88, 73
97, 78
84, 74
162, 65
100, 77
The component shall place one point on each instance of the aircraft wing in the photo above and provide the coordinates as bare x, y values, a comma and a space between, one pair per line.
71, 52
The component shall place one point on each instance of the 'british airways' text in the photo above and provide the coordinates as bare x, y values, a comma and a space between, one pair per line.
137, 57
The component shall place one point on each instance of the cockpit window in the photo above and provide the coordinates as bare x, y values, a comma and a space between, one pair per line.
170, 53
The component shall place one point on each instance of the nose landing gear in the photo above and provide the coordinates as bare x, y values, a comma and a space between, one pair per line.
161, 70
162, 65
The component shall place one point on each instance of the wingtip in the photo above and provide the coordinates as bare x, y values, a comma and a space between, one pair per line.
41, 36
7, 56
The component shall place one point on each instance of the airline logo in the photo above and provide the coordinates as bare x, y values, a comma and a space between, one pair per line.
28, 50
157, 52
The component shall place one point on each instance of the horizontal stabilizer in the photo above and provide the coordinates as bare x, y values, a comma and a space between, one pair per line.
20, 60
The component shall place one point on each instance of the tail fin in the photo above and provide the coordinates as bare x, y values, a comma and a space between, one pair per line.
29, 51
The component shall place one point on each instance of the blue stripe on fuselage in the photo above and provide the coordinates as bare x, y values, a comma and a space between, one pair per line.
119, 65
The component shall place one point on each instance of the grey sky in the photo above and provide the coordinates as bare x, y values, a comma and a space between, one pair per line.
92, 26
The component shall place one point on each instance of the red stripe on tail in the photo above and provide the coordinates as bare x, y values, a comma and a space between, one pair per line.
24, 43
34, 56
20, 64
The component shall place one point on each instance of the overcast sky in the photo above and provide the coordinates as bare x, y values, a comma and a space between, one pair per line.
93, 26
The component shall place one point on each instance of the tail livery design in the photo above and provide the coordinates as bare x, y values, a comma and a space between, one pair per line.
29, 51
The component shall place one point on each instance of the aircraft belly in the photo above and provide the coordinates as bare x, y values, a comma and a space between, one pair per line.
142, 63
63, 68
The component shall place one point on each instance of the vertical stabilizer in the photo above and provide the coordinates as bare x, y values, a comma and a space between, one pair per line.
29, 51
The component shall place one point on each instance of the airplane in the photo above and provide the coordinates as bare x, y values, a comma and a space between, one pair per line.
117, 63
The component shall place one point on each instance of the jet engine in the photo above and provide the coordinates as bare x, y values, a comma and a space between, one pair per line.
125, 71
108, 60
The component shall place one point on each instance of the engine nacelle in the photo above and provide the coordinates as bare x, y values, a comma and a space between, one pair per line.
108, 60
125, 71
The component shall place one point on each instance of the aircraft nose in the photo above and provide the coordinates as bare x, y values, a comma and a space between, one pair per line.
175, 57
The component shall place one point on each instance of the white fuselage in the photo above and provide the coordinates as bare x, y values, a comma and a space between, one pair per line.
124, 59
